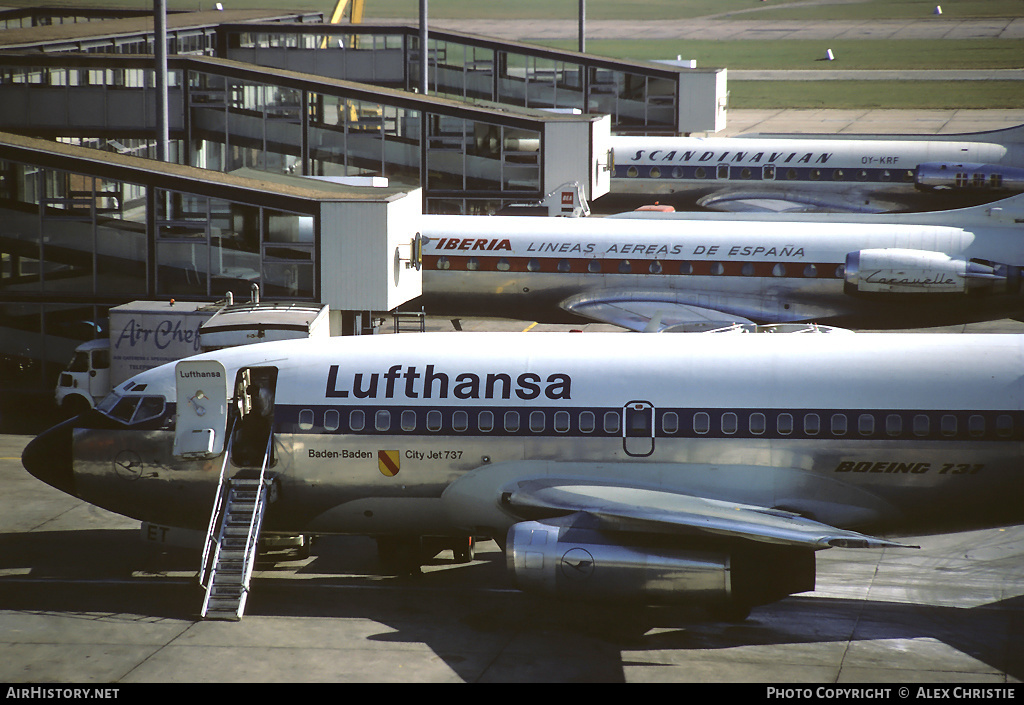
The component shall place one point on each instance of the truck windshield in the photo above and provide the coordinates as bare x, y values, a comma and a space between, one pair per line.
79, 363
132, 408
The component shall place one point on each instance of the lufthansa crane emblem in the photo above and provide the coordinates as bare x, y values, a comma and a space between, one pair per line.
577, 564
128, 465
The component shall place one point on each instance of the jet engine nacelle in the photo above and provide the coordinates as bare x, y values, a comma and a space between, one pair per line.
899, 271
586, 564
973, 177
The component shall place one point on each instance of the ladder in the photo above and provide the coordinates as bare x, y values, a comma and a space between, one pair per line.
232, 539
410, 321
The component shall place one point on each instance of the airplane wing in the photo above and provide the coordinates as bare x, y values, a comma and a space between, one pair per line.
623, 507
795, 202
652, 312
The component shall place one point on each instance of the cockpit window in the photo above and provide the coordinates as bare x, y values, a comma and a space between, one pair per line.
132, 408
125, 409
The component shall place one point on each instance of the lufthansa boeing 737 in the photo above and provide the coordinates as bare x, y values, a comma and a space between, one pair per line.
666, 469
680, 271
822, 173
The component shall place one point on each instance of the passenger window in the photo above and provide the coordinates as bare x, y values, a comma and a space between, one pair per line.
485, 421
537, 421
561, 421
332, 420
587, 422
948, 425
729, 422
784, 424
611, 422
624, 267
839, 424
1004, 426
460, 421
757, 423
866, 424
701, 422
893, 424
594, 266
670, 422
306, 419
357, 420
511, 421
408, 420
921, 425
434, 420
812, 424
976, 426
382, 420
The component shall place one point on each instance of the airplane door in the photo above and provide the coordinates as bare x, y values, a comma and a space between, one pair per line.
202, 408
638, 428
255, 391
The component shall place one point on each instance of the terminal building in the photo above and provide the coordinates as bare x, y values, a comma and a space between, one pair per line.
300, 157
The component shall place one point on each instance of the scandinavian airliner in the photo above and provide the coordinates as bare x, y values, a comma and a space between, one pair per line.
822, 173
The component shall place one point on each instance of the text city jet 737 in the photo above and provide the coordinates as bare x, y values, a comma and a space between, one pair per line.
663, 469
839, 173
680, 271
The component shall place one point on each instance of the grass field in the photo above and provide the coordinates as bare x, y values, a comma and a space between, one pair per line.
893, 95
608, 9
739, 55
807, 54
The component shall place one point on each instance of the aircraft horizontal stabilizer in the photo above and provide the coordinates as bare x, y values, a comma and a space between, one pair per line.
628, 508
649, 312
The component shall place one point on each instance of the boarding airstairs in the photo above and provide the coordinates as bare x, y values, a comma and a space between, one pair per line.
232, 539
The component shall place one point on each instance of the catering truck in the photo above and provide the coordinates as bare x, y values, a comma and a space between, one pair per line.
145, 334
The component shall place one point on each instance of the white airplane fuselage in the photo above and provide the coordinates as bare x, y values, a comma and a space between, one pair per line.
448, 435
845, 173
877, 454
764, 271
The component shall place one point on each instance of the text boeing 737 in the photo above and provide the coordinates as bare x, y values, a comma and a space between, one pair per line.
837, 173
668, 469
683, 270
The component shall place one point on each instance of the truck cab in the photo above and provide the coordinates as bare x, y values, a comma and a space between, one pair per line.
86, 379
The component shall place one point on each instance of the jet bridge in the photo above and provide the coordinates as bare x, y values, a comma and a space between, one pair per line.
102, 228
641, 97
225, 116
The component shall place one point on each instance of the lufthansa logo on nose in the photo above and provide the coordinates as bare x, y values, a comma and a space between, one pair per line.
128, 465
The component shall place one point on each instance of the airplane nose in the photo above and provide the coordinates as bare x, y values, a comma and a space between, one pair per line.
48, 457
